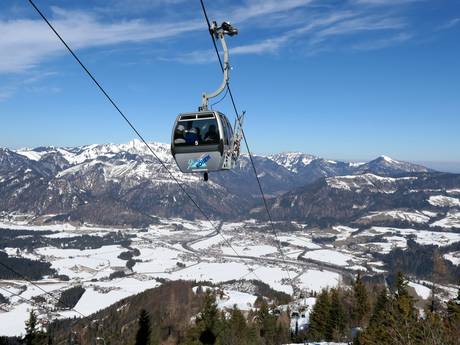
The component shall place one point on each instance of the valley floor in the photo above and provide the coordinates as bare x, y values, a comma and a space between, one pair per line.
175, 249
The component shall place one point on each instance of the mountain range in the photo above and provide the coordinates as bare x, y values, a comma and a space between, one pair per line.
124, 185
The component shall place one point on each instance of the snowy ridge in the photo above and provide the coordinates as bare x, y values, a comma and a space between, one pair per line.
293, 161
370, 182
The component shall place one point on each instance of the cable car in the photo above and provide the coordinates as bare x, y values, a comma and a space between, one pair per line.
204, 140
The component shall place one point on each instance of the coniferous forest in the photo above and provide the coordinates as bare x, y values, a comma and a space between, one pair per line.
173, 314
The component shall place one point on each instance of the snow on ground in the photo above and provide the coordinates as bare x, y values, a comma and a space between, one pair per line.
421, 290
242, 300
303, 309
102, 294
443, 201
315, 280
386, 247
47, 286
13, 322
413, 217
299, 241
62, 228
422, 237
452, 220
211, 241
250, 250
369, 181
329, 256
84, 264
68, 234
453, 257
344, 232
218, 272
213, 271
159, 259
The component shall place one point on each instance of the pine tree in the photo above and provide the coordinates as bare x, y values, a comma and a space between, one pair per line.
361, 305
33, 335
336, 321
404, 302
379, 323
236, 331
319, 317
143, 332
267, 325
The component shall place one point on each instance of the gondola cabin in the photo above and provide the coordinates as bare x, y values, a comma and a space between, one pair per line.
202, 142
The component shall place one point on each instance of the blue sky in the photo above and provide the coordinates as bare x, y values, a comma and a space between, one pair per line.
340, 79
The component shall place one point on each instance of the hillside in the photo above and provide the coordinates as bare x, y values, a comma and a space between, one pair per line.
123, 184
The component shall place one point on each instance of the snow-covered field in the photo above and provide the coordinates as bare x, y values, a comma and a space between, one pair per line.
422, 237
329, 256
453, 257
422, 291
443, 201
452, 220
413, 217
179, 249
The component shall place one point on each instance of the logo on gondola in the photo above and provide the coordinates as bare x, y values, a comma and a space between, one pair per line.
199, 163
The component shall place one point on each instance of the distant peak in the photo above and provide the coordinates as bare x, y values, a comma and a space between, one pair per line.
387, 159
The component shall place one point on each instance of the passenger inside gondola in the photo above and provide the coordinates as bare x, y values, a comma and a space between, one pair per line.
195, 133
212, 136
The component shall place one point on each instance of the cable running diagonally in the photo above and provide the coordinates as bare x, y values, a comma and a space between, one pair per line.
132, 126
203, 7
25, 299
40, 288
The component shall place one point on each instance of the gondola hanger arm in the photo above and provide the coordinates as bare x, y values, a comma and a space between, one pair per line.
220, 32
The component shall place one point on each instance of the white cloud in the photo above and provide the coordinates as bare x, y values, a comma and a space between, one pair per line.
262, 8
315, 32
450, 24
26, 42
371, 23
386, 2
383, 43
32, 83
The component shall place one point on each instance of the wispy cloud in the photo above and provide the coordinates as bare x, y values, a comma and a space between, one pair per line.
317, 31
28, 42
385, 2
261, 8
384, 42
450, 24
32, 83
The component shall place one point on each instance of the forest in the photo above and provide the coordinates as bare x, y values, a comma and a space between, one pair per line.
363, 314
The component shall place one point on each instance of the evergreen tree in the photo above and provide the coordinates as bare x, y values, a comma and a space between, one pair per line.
453, 316
361, 305
236, 330
33, 335
319, 317
208, 323
267, 325
379, 323
404, 302
209, 319
143, 332
336, 321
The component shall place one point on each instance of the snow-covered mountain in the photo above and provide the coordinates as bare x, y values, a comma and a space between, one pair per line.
117, 184
347, 199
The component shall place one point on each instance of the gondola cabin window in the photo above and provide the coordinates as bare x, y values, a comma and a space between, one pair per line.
196, 133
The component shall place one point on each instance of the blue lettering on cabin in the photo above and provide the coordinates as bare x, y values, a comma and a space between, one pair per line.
199, 163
